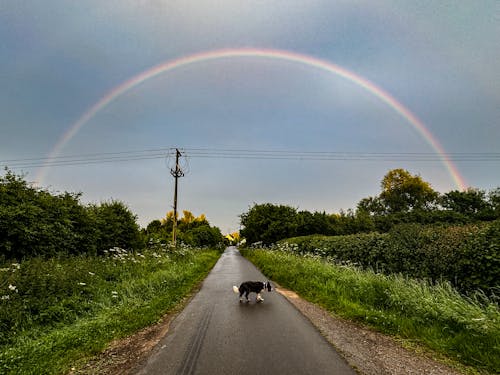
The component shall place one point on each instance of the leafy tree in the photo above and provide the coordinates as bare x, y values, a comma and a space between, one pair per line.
268, 223
312, 223
203, 235
168, 221
36, 222
117, 226
189, 221
494, 201
469, 202
191, 230
371, 206
154, 227
403, 192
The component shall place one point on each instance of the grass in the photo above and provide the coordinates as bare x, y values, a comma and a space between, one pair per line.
56, 312
464, 329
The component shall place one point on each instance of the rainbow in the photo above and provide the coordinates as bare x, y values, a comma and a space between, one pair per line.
272, 54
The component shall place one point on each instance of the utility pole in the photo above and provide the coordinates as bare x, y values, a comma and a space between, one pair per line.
176, 172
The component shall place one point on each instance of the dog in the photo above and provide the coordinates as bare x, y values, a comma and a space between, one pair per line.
248, 287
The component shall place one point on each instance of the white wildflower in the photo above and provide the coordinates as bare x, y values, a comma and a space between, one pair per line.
83, 284
114, 294
91, 273
13, 288
4, 298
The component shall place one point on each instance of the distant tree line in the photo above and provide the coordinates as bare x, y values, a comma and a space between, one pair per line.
191, 230
404, 199
36, 222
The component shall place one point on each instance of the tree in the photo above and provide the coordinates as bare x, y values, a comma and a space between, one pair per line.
36, 222
117, 226
154, 227
189, 221
469, 202
203, 235
494, 200
268, 223
194, 231
312, 223
403, 192
371, 206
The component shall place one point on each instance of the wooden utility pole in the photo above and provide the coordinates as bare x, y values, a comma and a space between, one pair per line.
176, 172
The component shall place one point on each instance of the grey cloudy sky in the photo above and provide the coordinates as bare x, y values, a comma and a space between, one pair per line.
439, 59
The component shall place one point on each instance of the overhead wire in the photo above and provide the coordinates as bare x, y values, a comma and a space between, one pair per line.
219, 153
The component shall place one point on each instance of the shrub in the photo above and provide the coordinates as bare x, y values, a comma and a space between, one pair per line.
116, 226
35, 222
467, 256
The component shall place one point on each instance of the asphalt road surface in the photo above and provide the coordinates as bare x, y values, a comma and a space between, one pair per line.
217, 335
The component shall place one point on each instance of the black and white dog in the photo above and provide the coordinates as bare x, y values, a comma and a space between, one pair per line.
248, 287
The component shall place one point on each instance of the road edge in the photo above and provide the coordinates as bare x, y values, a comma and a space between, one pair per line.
367, 351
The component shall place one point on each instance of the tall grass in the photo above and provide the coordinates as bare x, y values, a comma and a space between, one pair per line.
56, 312
468, 256
466, 329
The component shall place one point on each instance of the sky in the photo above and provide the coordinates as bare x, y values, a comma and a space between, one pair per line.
302, 103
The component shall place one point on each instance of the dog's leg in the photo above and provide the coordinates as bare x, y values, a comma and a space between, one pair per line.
259, 298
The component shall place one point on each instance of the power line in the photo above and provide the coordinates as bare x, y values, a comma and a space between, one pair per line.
215, 153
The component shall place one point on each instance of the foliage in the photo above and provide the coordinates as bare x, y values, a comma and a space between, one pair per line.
191, 230
403, 192
35, 222
404, 199
56, 311
233, 238
466, 256
116, 226
268, 223
466, 329
203, 235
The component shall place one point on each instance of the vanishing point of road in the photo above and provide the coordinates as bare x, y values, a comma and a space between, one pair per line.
217, 335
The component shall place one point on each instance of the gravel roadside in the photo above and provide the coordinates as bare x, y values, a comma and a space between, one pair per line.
369, 352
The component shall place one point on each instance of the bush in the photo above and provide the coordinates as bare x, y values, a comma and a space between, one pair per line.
116, 226
268, 223
204, 235
34, 222
466, 256
478, 261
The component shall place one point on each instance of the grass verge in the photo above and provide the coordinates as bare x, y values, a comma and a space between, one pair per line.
466, 330
60, 311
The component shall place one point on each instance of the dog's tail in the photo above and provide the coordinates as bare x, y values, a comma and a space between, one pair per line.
235, 289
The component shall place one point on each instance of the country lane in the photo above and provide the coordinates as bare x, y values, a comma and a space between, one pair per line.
217, 335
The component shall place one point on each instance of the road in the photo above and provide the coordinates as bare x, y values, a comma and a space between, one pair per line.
217, 335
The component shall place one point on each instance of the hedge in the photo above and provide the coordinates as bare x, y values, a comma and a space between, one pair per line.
467, 256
